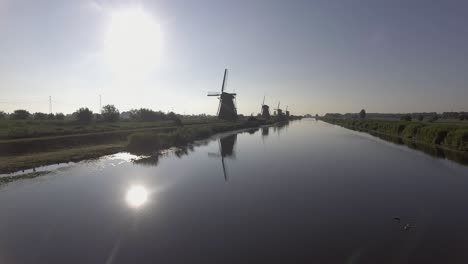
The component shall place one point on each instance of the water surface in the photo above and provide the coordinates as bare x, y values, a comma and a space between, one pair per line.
309, 192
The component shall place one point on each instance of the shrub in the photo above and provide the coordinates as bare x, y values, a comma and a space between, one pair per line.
171, 116
59, 116
3, 115
20, 115
178, 122
433, 118
411, 130
144, 114
40, 116
434, 134
252, 119
362, 114
406, 117
457, 139
84, 115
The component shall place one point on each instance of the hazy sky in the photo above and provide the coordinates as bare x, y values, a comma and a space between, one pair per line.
315, 56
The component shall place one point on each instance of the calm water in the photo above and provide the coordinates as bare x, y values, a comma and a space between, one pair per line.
306, 193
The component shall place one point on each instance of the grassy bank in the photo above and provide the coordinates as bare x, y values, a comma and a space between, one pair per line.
453, 136
21, 129
56, 143
21, 154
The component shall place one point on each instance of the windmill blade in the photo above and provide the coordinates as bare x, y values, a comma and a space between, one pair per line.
263, 103
223, 87
213, 94
224, 170
213, 154
278, 105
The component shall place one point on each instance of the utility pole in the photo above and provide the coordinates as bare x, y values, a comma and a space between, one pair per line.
50, 104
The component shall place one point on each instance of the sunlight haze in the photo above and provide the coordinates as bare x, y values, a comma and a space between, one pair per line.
314, 56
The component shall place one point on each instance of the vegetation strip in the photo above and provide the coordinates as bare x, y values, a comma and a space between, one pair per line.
445, 135
136, 142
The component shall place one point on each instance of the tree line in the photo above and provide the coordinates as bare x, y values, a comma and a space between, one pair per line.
84, 115
428, 116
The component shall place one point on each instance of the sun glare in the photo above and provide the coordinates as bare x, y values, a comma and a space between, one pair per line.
133, 42
136, 196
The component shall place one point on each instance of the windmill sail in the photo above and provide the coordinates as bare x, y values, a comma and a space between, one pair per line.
278, 110
227, 108
224, 81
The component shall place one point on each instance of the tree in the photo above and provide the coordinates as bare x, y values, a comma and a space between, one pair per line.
110, 113
171, 116
20, 114
462, 117
433, 118
144, 114
40, 116
178, 122
420, 117
406, 117
59, 116
84, 115
362, 114
3, 115
97, 117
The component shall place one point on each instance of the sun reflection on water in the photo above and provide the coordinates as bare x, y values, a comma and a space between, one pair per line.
136, 196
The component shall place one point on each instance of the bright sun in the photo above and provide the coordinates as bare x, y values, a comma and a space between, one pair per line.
136, 196
133, 42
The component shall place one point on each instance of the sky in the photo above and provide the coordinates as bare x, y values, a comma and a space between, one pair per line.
314, 56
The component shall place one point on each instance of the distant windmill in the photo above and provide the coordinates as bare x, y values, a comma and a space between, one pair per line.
227, 108
265, 110
286, 112
279, 112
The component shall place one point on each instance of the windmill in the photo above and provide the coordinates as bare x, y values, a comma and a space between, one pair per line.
227, 108
287, 112
265, 111
226, 147
279, 112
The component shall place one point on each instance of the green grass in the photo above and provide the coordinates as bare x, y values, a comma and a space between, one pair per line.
457, 139
450, 135
15, 129
54, 143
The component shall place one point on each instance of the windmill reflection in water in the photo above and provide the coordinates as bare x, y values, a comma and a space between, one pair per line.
226, 150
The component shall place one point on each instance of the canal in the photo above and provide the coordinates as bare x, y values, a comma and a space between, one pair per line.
306, 192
